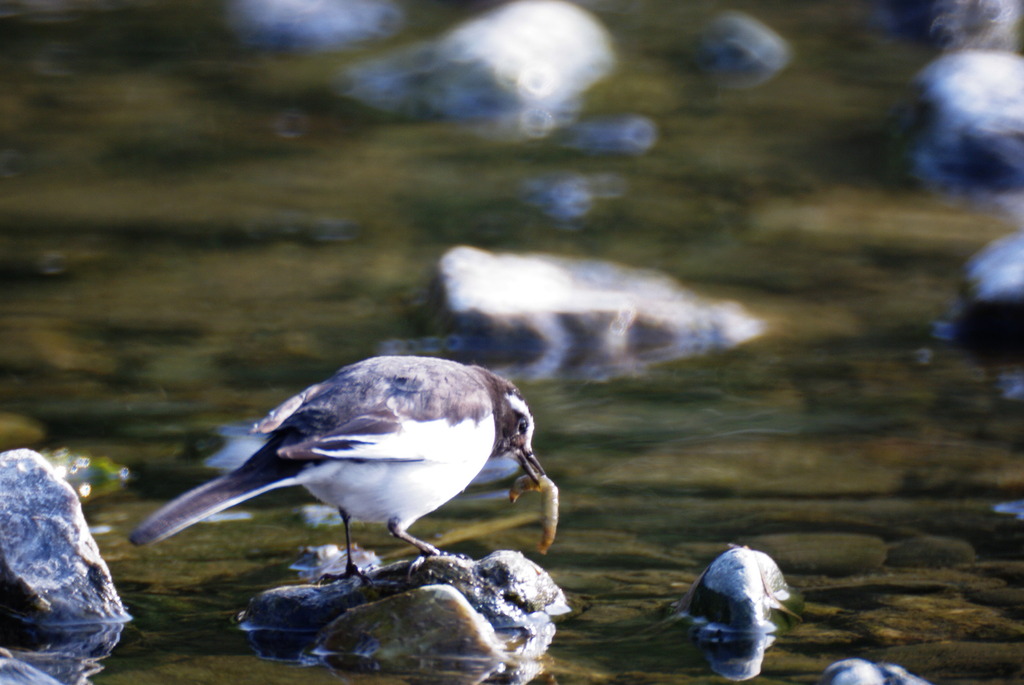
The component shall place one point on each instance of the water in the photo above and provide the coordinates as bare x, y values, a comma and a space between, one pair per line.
191, 231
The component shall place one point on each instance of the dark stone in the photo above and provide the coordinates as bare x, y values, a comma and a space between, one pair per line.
930, 552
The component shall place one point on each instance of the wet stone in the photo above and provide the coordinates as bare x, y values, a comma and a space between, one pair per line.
508, 590
862, 672
831, 554
930, 552
741, 590
549, 316
433, 624
736, 604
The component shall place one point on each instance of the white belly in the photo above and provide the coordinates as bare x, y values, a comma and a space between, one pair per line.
370, 487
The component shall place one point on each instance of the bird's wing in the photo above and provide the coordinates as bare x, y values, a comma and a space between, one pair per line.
377, 436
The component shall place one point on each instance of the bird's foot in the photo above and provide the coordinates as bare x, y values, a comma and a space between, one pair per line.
351, 570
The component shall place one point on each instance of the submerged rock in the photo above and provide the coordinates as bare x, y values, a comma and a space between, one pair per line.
862, 672
312, 25
953, 24
519, 68
736, 604
741, 52
967, 128
506, 592
545, 315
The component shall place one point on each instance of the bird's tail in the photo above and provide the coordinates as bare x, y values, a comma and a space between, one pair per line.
262, 472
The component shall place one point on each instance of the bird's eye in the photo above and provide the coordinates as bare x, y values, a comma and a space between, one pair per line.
523, 426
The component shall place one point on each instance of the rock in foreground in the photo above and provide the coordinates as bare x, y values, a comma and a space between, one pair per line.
450, 613
548, 316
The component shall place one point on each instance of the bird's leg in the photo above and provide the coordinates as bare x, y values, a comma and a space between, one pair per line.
426, 549
350, 568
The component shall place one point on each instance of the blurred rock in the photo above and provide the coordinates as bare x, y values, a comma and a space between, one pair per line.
56, 593
312, 25
545, 315
511, 593
967, 128
830, 554
952, 24
566, 197
627, 134
988, 317
862, 672
736, 603
18, 431
930, 552
741, 52
519, 70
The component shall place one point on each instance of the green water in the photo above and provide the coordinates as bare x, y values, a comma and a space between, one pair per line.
193, 290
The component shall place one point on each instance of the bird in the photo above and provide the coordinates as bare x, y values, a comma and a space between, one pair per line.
385, 440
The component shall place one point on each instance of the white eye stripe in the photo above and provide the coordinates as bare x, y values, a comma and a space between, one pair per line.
519, 405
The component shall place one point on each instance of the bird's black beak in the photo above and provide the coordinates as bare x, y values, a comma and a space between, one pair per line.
529, 462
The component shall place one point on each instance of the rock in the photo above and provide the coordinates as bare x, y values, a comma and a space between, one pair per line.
546, 316
736, 604
988, 318
56, 593
930, 552
742, 591
953, 24
51, 571
741, 52
518, 69
312, 25
505, 587
512, 594
431, 626
830, 554
862, 672
967, 127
